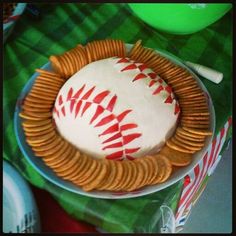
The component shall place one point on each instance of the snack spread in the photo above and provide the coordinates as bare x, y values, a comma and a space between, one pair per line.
118, 105
108, 119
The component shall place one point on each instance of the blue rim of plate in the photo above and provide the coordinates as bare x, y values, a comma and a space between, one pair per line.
48, 173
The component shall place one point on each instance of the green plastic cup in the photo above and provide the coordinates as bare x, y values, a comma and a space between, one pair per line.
180, 18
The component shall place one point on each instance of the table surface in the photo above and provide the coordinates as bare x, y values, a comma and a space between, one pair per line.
60, 28
218, 192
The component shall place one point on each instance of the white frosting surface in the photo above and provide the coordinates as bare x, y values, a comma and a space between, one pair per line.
131, 118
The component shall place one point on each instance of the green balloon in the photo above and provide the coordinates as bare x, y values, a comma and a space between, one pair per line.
180, 18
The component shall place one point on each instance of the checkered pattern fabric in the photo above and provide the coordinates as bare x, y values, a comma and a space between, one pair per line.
61, 27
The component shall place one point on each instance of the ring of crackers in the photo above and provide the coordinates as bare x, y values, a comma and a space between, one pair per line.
101, 174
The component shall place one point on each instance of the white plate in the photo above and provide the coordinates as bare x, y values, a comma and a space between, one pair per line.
46, 172
20, 212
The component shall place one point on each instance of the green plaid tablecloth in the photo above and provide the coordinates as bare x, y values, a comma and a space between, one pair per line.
60, 28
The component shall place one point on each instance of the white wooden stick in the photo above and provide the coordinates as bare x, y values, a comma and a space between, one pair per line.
206, 72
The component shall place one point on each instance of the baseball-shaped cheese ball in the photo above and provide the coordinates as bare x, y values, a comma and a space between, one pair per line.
116, 108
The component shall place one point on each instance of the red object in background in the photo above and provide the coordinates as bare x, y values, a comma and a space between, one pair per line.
54, 218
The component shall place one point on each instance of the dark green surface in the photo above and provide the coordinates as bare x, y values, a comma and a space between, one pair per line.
61, 27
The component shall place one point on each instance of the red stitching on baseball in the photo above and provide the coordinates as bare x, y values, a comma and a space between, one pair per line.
128, 126
72, 105
112, 129
158, 90
115, 155
152, 75
112, 138
177, 108
130, 157
69, 94
63, 111
123, 60
87, 95
123, 115
86, 106
105, 120
60, 100
142, 67
98, 112
139, 76
168, 89
152, 82
130, 137
129, 67
77, 109
99, 98
112, 103
76, 96
113, 145
169, 99
131, 150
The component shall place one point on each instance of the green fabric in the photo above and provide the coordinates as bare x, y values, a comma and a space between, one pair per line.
60, 28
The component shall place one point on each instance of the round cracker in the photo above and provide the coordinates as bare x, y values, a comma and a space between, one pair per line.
46, 72
40, 139
172, 145
188, 142
92, 167
135, 174
34, 124
175, 157
94, 174
154, 172
108, 174
23, 115
61, 160
83, 167
110, 178
49, 151
139, 177
47, 85
55, 158
135, 48
38, 105
93, 184
81, 164
164, 163
56, 65
159, 175
54, 143
124, 176
152, 169
45, 89
68, 167
119, 173
38, 133
197, 131
37, 128
188, 134
33, 99
42, 96
143, 162
183, 145
41, 115
189, 138
31, 108
129, 174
